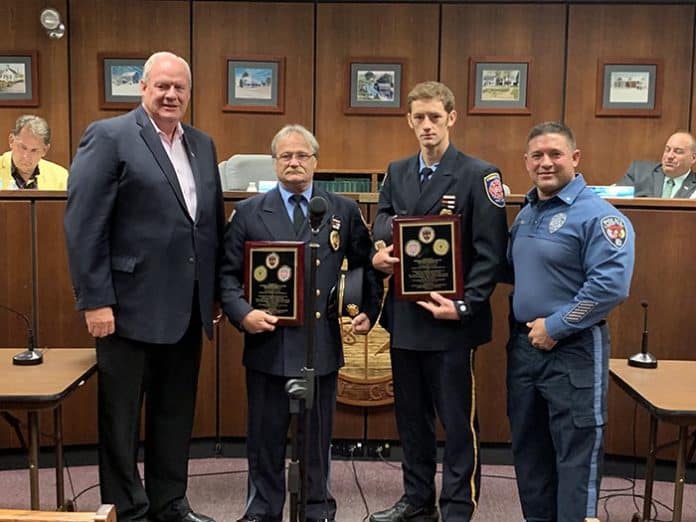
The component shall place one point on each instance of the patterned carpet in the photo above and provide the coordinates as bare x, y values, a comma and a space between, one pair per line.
217, 487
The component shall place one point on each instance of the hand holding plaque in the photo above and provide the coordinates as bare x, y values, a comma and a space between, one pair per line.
274, 279
428, 248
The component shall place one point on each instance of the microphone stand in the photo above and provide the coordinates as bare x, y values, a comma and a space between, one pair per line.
301, 393
31, 356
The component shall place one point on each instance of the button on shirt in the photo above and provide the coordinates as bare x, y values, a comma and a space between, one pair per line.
572, 256
176, 151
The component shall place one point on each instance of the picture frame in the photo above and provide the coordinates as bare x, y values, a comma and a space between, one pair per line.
629, 87
119, 80
499, 85
254, 83
19, 79
376, 86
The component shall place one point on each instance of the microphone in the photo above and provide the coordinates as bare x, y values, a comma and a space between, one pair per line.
317, 209
643, 359
30, 356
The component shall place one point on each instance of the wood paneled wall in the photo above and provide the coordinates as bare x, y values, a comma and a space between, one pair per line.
564, 42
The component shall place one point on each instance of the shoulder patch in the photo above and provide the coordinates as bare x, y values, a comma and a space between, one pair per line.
494, 189
614, 230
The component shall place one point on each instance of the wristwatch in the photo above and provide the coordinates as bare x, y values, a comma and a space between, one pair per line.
463, 308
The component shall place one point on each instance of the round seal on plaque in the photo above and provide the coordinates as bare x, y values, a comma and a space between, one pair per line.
441, 247
260, 274
284, 274
272, 260
426, 234
413, 248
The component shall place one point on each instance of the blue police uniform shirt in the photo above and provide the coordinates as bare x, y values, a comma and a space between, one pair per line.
572, 257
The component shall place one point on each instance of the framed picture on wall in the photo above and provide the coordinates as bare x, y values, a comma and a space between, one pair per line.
119, 80
375, 86
19, 79
628, 87
498, 85
255, 84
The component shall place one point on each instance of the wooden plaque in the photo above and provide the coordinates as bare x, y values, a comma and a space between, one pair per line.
274, 279
430, 260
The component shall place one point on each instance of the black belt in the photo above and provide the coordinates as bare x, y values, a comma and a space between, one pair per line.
523, 328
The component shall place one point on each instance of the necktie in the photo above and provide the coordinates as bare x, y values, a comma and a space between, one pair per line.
668, 188
425, 175
298, 217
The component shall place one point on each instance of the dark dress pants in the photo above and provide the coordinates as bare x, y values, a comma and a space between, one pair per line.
268, 423
442, 382
557, 410
167, 376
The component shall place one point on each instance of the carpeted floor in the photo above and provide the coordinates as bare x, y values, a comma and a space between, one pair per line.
217, 487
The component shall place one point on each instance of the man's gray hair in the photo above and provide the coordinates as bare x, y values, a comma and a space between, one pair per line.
295, 128
36, 125
150, 63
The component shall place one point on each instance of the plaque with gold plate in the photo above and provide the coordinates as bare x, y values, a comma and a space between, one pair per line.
274, 279
430, 260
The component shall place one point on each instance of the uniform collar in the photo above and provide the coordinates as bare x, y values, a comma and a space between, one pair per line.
567, 194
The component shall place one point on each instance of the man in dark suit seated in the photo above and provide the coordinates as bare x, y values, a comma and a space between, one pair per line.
273, 353
143, 224
672, 178
433, 341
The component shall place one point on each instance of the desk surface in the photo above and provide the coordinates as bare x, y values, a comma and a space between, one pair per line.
44, 385
669, 391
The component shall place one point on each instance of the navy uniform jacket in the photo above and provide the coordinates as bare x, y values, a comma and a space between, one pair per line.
573, 258
477, 188
264, 218
131, 242
648, 179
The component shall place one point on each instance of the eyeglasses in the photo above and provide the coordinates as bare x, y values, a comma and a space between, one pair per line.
302, 157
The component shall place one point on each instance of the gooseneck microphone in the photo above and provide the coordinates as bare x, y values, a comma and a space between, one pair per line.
31, 355
643, 359
317, 209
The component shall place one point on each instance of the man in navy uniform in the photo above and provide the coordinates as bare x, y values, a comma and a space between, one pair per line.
272, 353
572, 255
433, 341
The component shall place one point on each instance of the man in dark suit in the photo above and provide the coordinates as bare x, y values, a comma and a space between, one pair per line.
672, 178
433, 341
143, 224
273, 353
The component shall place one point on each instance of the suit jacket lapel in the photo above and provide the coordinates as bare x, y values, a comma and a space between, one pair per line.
275, 217
687, 187
439, 183
152, 140
191, 150
411, 183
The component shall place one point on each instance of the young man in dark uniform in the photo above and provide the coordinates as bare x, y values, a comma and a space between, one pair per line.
433, 341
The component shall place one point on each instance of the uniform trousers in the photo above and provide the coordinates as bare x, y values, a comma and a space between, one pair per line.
167, 376
268, 423
557, 411
427, 383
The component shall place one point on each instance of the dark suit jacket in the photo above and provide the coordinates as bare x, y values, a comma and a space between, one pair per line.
131, 243
483, 242
264, 218
648, 179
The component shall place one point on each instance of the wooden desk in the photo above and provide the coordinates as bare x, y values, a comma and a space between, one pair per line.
44, 387
669, 394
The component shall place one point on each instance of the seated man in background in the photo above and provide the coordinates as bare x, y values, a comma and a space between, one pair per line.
23, 166
672, 178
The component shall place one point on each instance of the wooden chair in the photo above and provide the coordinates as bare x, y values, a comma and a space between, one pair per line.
105, 513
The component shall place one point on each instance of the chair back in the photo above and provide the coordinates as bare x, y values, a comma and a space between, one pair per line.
241, 169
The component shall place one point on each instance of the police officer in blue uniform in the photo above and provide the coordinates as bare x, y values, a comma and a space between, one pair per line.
572, 254
433, 341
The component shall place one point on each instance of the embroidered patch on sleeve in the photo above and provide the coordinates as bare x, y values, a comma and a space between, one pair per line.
494, 189
579, 311
614, 230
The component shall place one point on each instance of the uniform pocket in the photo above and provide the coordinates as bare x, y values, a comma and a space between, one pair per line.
585, 414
